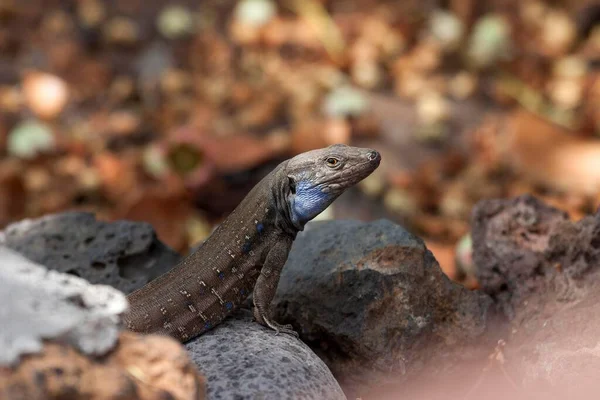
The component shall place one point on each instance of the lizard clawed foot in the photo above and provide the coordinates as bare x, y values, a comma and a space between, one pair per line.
281, 328
263, 320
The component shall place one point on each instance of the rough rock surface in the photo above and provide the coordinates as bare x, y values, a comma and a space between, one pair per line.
37, 304
523, 247
141, 367
370, 298
243, 360
123, 254
60, 338
544, 273
509, 241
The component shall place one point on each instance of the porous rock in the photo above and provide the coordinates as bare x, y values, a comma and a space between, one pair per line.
149, 367
372, 301
509, 240
244, 360
525, 250
37, 305
123, 254
543, 271
60, 338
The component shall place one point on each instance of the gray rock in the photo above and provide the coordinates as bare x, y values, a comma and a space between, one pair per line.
510, 237
37, 304
123, 254
243, 360
372, 301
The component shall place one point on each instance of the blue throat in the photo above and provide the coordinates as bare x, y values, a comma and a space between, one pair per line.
309, 201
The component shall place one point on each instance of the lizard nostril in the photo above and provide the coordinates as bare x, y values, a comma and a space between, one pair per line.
372, 155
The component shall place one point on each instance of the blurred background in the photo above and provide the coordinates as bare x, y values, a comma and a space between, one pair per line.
170, 111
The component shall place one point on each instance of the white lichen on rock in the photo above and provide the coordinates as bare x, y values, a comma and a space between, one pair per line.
38, 304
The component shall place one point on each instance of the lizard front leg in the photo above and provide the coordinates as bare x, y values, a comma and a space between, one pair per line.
266, 286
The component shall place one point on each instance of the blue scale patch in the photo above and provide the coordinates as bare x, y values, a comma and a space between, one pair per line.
243, 292
229, 305
221, 275
309, 202
207, 325
260, 227
246, 247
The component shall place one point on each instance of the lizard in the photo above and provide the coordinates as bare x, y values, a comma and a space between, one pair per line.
248, 250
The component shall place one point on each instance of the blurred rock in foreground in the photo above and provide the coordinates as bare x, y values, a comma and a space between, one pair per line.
544, 272
61, 338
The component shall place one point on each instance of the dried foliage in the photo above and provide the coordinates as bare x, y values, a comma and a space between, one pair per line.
142, 110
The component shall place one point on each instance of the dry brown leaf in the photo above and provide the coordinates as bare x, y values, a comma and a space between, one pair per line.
244, 151
551, 155
445, 256
13, 194
117, 175
166, 207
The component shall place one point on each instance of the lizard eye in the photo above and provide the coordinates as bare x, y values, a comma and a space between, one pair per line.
332, 162
292, 184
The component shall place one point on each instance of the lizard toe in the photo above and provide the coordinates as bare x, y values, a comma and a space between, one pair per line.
288, 329
281, 328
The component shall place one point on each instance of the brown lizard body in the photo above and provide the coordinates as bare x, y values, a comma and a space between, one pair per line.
248, 250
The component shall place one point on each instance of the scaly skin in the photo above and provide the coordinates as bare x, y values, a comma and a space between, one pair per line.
248, 250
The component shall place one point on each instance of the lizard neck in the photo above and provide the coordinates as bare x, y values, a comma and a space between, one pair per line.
280, 193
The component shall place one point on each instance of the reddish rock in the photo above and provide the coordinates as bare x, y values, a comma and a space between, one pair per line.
543, 271
509, 241
140, 367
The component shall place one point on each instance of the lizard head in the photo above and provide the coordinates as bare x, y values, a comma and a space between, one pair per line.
316, 178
